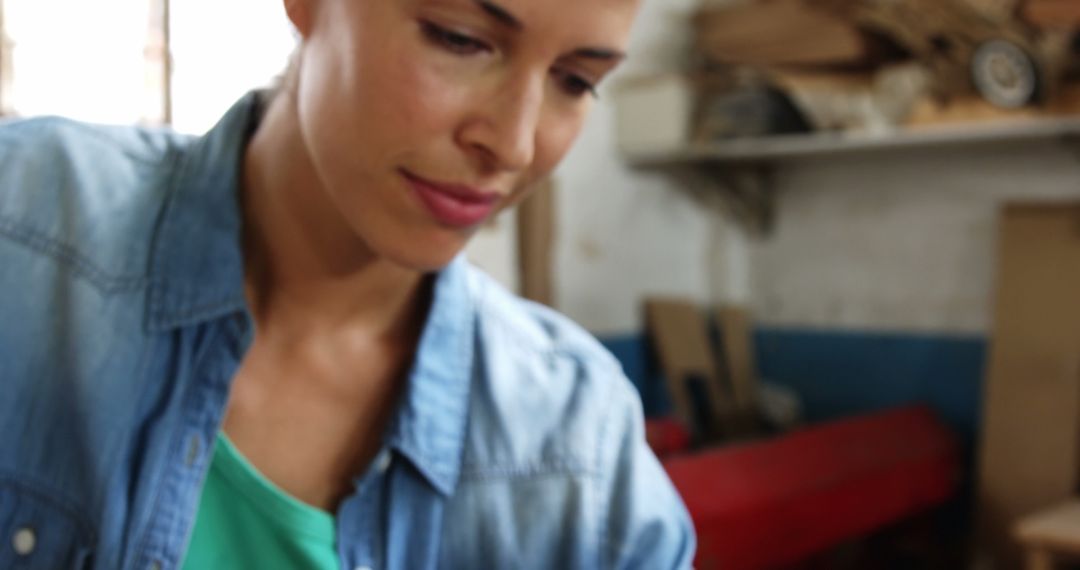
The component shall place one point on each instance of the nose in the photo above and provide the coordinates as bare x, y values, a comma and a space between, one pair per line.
502, 128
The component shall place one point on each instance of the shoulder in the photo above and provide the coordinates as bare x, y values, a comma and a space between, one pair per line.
535, 328
556, 445
82, 195
52, 149
553, 388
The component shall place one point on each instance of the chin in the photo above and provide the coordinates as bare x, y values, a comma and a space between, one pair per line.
427, 263
425, 256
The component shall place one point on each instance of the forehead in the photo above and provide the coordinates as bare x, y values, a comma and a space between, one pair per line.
587, 21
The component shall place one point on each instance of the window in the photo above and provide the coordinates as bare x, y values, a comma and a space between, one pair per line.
107, 61
76, 58
220, 51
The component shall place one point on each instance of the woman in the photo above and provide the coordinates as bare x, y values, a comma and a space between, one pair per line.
261, 349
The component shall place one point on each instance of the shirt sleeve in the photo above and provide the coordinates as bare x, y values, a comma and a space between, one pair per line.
644, 523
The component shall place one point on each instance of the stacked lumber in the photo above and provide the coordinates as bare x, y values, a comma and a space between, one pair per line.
1052, 13
996, 10
780, 32
855, 42
929, 112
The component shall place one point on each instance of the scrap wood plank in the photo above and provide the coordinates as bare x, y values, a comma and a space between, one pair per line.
1030, 444
780, 32
971, 108
996, 10
679, 333
737, 348
1051, 13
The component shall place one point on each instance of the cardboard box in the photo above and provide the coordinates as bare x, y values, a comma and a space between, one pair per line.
654, 113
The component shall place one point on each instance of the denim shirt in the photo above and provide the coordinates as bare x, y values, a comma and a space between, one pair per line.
517, 443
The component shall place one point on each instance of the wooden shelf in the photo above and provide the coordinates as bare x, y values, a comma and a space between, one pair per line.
823, 145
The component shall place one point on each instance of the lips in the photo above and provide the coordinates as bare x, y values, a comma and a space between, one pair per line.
453, 204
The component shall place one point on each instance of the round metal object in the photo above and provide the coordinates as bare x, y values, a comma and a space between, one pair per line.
1004, 74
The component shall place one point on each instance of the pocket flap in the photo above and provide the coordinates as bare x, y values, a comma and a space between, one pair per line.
39, 531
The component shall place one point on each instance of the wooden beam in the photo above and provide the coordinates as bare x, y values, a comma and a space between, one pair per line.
5, 65
536, 240
158, 63
166, 64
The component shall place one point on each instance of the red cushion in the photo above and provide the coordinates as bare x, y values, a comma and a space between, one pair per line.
666, 436
779, 501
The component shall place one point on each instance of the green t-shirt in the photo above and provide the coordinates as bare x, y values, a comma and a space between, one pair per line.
245, 521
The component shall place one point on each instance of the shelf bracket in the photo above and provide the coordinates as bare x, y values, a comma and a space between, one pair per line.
1072, 141
745, 192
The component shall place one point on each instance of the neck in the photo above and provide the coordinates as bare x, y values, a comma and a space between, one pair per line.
308, 271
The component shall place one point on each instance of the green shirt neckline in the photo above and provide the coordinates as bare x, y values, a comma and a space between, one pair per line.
246, 521
264, 495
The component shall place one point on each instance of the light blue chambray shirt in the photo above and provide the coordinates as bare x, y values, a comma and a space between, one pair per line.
518, 442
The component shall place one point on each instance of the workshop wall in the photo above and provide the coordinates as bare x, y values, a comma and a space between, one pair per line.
900, 241
876, 287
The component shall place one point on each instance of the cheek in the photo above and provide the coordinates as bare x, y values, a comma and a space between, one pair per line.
554, 141
552, 145
419, 94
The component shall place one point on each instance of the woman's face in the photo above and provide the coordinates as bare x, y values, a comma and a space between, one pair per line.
423, 118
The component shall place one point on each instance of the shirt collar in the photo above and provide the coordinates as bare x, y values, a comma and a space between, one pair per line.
197, 268
429, 428
198, 274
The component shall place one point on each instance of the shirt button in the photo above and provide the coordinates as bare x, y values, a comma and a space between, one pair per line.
363, 568
24, 541
382, 464
192, 451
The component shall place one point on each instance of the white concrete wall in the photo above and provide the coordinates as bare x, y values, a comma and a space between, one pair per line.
494, 249
900, 241
624, 234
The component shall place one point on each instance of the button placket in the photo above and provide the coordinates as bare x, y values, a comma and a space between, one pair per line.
193, 449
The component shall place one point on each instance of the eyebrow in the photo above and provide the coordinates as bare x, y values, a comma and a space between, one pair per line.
504, 17
600, 53
500, 14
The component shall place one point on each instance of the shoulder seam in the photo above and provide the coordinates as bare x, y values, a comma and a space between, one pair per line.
85, 129
102, 133
68, 256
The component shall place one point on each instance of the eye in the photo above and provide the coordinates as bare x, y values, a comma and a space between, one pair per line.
452, 41
574, 85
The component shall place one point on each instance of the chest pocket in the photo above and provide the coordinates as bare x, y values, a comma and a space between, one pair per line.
39, 532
